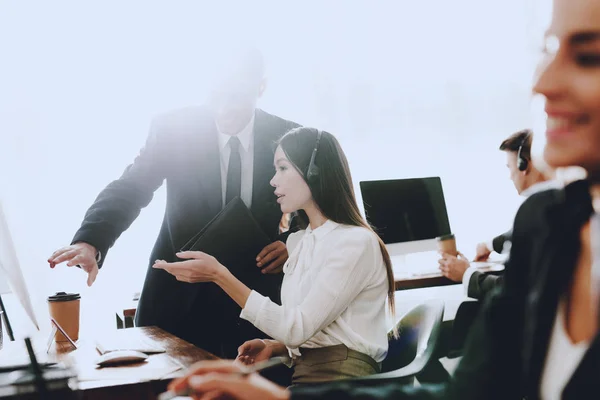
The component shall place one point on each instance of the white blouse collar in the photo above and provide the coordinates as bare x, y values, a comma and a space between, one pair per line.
322, 230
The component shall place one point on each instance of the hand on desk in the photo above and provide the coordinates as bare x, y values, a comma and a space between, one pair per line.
272, 258
220, 379
81, 254
198, 267
453, 267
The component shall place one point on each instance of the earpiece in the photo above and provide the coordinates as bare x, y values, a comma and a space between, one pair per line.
313, 170
522, 162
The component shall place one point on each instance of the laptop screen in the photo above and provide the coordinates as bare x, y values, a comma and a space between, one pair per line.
405, 210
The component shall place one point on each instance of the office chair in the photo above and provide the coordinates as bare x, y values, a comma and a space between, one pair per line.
463, 321
411, 355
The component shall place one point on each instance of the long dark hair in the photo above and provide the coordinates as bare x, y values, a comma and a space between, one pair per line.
331, 188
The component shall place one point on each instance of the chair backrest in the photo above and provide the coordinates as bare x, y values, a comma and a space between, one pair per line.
419, 331
461, 326
409, 354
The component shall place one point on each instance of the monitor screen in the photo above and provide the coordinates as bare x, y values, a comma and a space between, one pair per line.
10, 269
406, 210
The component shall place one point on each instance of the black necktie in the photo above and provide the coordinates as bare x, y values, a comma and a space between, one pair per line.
234, 171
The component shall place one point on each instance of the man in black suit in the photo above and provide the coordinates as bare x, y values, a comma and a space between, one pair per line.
207, 155
527, 180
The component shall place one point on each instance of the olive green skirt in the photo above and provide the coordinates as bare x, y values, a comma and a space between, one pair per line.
332, 363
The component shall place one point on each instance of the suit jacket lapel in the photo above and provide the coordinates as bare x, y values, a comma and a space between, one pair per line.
209, 171
559, 251
263, 197
585, 378
551, 277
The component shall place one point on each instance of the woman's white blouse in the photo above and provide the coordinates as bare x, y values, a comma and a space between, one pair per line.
334, 292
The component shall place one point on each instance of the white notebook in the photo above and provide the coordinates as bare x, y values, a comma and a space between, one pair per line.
126, 339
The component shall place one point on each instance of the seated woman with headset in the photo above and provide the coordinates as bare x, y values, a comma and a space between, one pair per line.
332, 321
538, 337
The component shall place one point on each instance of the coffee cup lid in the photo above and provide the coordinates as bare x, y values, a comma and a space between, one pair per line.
445, 237
63, 296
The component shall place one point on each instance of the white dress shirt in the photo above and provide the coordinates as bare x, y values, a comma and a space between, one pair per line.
246, 137
334, 292
537, 187
541, 186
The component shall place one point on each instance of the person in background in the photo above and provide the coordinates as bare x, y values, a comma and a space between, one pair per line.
538, 336
527, 180
206, 155
332, 319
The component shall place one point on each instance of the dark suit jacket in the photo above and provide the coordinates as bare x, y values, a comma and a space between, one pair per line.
499, 241
481, 284
182, 149
504, 356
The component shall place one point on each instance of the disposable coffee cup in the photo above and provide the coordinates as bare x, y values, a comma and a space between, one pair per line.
64, 309
447, 244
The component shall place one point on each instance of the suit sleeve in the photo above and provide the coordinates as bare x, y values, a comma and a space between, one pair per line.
491, 365
119, 204
481, 284
499, 241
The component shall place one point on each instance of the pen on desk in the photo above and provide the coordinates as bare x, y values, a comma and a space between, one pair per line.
258, 367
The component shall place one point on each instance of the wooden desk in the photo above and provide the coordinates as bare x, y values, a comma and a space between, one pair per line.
126, 312
135, 381
436, 279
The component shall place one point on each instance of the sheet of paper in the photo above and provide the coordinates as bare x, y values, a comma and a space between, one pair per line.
127, 339
156, 367
11, 269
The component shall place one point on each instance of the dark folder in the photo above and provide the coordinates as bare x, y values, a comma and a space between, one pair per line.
234, 238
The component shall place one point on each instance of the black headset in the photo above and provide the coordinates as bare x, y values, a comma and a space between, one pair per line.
522, 162
313, 170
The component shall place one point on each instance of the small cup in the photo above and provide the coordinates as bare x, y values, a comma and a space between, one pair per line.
64, 308
447, 244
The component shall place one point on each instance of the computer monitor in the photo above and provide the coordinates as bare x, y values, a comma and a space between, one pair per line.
408, 214
10, 270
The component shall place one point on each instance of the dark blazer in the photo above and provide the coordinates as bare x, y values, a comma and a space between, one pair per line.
480, 283
504, 356
182, 150
499, 241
